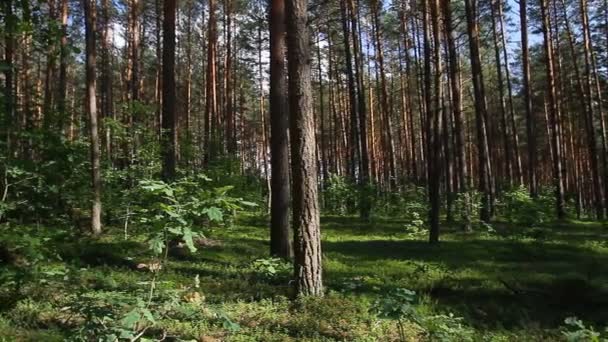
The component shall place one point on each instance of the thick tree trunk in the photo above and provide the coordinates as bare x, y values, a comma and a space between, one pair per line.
308, 263
169, 123
91, 110
280, 237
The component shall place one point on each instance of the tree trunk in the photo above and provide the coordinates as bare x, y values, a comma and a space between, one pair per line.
280, 239
211, 101
91, 109
454, 69
107, 107
481, 111
434, 116
589, 119
553, 116
384, 98
229, 125
169, 123
501, 94
9, 91
527, 91
517, 167
308, 263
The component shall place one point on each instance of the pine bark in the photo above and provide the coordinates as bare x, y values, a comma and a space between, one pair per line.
169, 122
91, 109
280, 239
306, 225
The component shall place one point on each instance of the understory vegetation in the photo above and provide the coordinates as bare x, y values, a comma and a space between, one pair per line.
189, 262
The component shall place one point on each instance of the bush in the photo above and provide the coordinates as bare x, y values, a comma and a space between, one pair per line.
171, 211
516, 206
340, 195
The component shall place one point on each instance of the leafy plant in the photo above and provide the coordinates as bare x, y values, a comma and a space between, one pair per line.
446, 328
172, 211
340, 195
398, 305
516, 206
577, 331
271, 268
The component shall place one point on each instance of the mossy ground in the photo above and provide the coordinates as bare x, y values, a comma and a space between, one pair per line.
511, 284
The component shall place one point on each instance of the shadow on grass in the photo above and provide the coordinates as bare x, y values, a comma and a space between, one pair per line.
518, 283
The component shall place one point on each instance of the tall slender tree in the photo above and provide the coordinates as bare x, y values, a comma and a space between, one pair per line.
9, 54
481, 111
527, 94
553, 110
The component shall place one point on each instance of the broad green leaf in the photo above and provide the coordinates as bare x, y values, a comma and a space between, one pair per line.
214, 214
188, 239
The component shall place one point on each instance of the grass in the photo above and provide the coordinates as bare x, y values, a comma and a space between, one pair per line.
511, 284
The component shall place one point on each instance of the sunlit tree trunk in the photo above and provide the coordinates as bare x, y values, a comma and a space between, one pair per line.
307, 246
91, 109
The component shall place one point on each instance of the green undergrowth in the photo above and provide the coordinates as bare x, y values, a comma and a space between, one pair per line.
383, 283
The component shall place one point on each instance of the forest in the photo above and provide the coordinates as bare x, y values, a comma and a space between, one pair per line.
303, 170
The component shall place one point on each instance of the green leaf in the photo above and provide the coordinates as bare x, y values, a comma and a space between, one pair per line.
214, 214
130, 319
188, 239
148, 315
248, 204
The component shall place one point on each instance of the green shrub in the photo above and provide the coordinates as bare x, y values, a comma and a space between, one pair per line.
577, 331
516, 206
340, 195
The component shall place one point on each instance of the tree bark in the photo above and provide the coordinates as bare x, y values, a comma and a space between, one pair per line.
308, 263
169, 122
280, 239
91, 109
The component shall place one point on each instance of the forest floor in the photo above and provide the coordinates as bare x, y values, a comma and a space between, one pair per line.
507, 284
